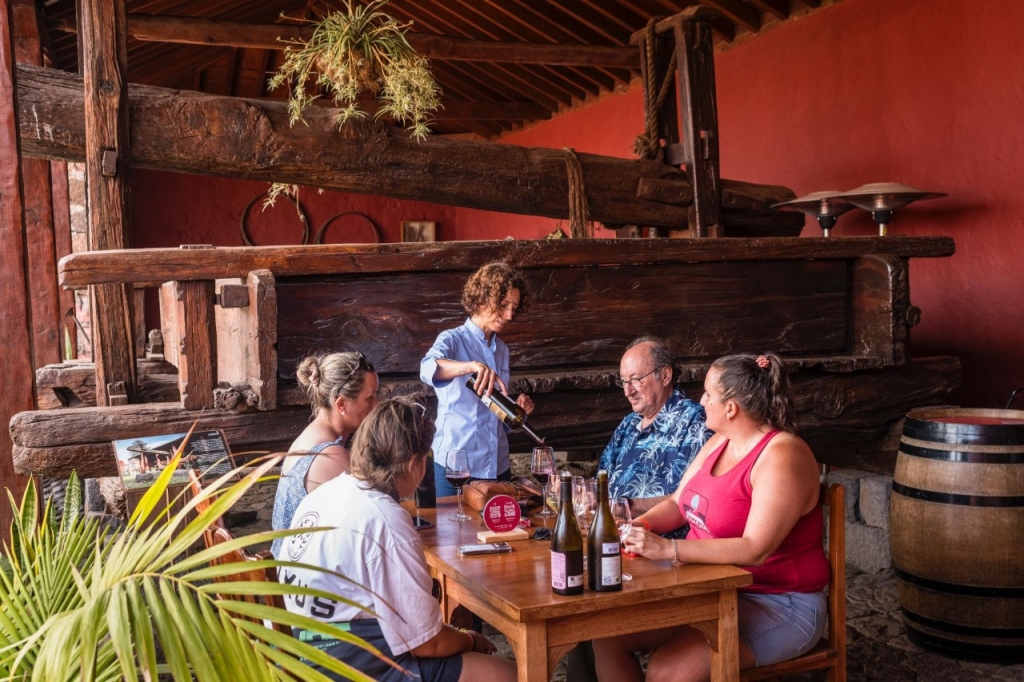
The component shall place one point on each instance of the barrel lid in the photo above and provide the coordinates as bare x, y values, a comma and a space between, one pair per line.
965, 425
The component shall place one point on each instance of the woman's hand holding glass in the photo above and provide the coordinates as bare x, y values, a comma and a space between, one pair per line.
640, 540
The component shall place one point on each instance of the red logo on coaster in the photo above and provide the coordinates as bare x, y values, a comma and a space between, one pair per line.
501, 514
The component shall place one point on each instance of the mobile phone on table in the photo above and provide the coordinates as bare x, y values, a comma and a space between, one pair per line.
485, 548
419, 523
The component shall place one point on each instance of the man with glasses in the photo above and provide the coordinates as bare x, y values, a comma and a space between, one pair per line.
651, 448
649, 451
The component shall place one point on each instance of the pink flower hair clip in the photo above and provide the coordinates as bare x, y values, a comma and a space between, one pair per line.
762, 362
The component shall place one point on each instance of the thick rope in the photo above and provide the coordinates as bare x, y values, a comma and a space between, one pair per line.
580, 225
647, 145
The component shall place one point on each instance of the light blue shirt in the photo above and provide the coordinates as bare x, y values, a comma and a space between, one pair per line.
463, 421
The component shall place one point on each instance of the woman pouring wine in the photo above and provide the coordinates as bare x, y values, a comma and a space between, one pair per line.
492, 297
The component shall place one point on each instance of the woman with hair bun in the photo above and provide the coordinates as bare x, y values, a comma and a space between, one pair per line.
342, 389
375, 564
751, 499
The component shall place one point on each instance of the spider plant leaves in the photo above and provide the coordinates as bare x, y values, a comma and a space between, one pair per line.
82, 604
360, 49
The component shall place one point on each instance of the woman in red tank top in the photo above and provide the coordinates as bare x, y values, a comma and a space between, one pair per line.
751, 500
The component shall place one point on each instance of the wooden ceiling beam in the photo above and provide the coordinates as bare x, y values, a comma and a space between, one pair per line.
780, 8
194, 31
736, 11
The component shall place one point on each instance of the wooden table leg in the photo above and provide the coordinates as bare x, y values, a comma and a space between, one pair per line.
530, 644
725, 661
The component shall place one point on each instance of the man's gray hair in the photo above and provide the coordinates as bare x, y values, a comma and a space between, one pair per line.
658, 350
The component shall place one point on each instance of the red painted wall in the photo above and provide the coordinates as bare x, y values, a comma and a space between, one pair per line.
924, 92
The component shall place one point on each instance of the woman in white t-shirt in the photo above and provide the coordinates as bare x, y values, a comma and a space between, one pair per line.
386, 599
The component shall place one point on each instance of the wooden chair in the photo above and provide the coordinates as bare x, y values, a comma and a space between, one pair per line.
216, 534
830, 652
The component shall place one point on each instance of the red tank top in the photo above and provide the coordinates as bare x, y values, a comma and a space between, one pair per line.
718, 507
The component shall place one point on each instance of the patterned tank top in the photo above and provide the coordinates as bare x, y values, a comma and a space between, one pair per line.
291, 489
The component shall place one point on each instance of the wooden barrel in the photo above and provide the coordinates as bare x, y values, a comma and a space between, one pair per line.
956, 524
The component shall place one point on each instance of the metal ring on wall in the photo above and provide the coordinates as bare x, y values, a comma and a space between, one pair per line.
245, 214
318, 239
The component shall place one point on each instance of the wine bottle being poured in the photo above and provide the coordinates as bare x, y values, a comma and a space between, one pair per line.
505, 409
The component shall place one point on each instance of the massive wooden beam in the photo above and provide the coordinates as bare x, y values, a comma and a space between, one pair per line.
107, 155
135, 265
204, 134
195, 31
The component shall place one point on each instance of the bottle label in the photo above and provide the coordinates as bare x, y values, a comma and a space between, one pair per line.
558, 577
575, 580
494, 407
608, 548
611, 569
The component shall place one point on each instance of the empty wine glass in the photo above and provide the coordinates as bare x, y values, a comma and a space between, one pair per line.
542, 466
584, 501
456, 471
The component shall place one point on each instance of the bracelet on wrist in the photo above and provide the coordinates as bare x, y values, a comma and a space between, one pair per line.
472, 639
675, 555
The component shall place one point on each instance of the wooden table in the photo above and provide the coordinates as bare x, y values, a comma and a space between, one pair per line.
513, 593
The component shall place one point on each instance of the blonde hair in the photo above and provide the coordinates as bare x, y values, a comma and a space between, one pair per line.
329, 377
394, 433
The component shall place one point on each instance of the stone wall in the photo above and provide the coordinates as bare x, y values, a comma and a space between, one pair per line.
867, 519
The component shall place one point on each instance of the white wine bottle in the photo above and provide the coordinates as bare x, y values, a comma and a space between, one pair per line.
604, 561
505, 409
566, 546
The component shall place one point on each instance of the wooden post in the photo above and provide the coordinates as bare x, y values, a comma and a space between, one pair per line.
103, 40
197, 355
37, 197
15, 336
697, 110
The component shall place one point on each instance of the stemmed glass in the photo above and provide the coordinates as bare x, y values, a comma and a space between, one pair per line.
456, 471
584, 502
624, 522
542, 466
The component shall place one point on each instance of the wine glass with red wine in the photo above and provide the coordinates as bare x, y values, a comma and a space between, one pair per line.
456, 471
542, 466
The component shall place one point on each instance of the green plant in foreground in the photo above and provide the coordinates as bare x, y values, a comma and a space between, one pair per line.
78, 602
358, 50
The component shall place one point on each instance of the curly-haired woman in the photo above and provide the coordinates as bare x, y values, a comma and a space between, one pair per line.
492, 297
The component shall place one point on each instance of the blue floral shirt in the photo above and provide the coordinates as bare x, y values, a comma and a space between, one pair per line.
650, 462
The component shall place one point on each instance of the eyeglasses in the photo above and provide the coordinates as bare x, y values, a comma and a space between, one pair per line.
363, 363
636, 382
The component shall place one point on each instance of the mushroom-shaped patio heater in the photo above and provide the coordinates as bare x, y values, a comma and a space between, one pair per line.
882, 198
825, 206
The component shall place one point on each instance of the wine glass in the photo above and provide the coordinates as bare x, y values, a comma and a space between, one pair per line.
456, 471
584, 501
623, 517
542, 466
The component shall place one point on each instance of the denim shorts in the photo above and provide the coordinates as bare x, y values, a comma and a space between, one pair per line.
447, 669
778, 627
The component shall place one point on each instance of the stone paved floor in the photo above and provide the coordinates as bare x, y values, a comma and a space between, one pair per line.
877, 646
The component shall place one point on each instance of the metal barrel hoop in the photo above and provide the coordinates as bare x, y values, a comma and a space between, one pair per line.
298, 207
319, 238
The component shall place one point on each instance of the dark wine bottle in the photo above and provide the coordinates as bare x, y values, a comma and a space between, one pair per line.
566, 546
426, 495
604, 561
505, 409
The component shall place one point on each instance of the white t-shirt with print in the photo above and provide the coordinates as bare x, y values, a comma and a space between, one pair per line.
373, 543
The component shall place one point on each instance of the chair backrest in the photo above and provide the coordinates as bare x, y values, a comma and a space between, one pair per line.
240, 555
195, 481
834, 497
829, 653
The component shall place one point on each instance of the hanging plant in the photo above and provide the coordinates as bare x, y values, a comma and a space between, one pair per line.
360, 50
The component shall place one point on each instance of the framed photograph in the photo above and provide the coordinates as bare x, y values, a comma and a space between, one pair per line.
419, 231
140, 460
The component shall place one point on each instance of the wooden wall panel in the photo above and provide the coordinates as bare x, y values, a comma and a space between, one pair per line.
578, 316
15, 336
